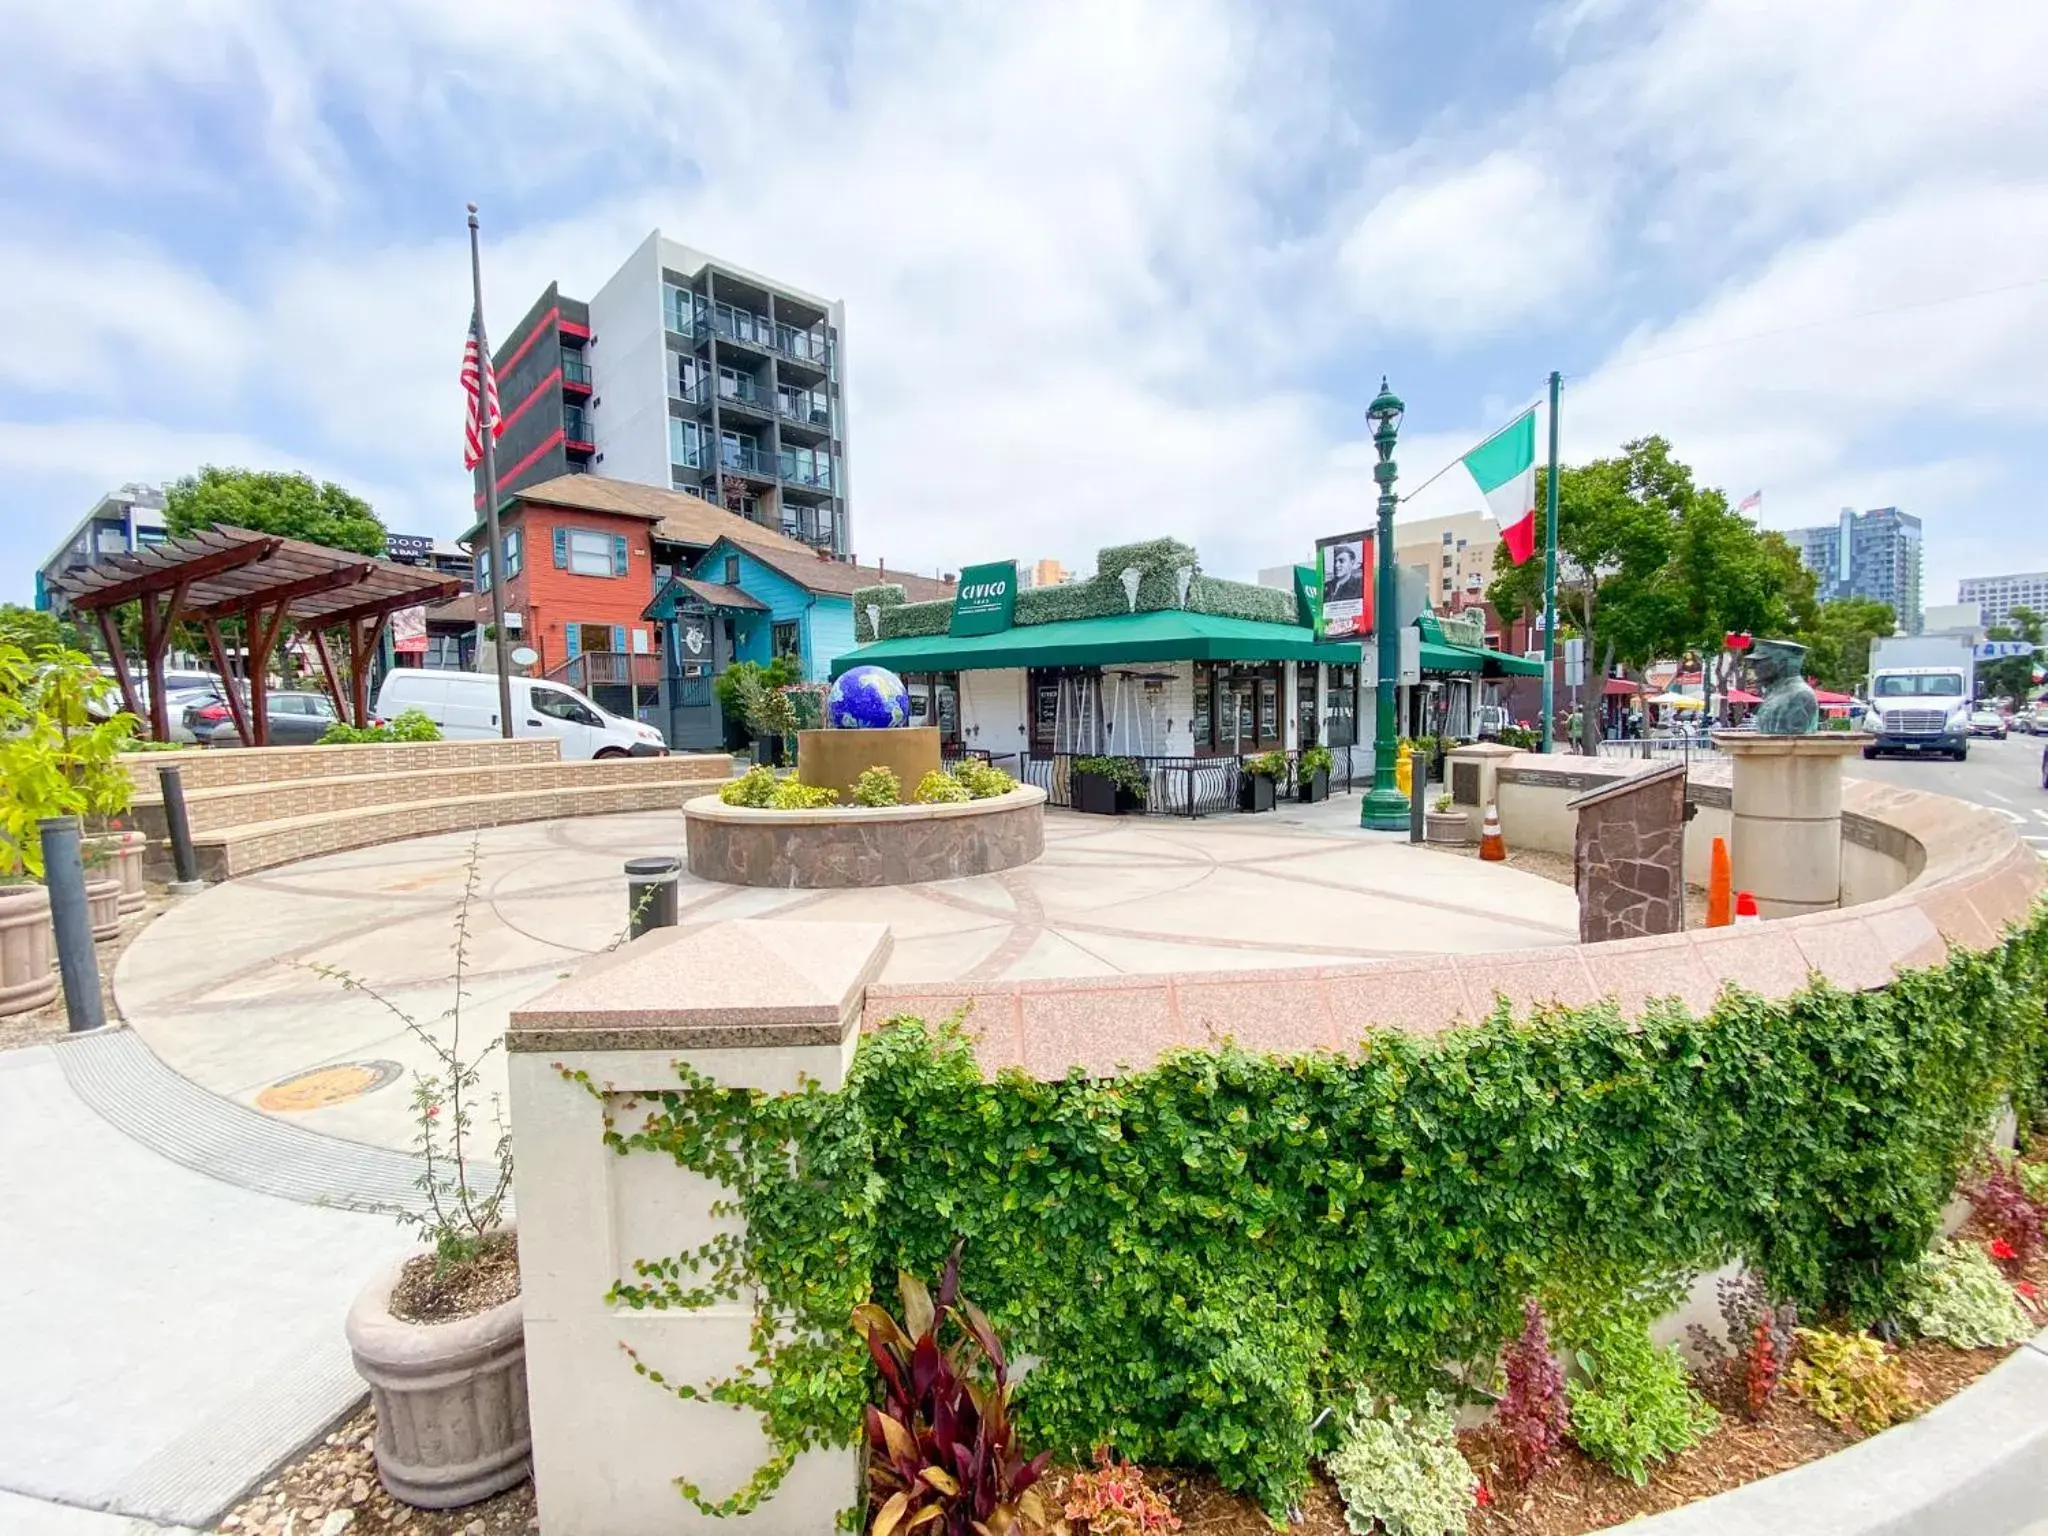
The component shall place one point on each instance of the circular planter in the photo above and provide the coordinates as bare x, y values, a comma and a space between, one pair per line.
103, 901
1446, 826
862, 846
28, 978
450, 1397
125, 852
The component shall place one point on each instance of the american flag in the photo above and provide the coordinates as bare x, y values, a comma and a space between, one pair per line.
480, 392
1751, 502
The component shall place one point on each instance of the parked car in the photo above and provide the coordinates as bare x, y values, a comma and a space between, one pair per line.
296, 720
2036, 720
1987, 722
2044, 767
465, 706
1489, 720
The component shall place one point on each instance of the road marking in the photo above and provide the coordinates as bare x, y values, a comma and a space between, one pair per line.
1995, 795
2014, 816
2043, 815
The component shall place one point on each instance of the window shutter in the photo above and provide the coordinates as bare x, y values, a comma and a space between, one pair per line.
572, 636
618, 554
618, 637
561, 549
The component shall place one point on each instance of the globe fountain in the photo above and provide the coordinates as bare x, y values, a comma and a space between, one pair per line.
867, 715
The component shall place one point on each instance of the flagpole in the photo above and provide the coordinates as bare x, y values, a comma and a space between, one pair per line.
496, 558
1549, 575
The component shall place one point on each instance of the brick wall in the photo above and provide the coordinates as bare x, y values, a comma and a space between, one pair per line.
207, 768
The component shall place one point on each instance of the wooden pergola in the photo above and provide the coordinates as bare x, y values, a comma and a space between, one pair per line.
264, 580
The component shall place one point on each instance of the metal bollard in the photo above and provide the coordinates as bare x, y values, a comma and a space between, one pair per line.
1418, 797
184, 862
64, 874
651, 894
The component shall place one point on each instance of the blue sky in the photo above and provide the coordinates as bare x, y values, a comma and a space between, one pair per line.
1113, 269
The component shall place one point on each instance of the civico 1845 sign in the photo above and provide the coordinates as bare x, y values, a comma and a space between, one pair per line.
986, 600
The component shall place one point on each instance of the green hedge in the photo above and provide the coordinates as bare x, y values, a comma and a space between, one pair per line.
1206, 1254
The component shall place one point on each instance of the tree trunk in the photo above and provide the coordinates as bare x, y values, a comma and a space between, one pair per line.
1595, 699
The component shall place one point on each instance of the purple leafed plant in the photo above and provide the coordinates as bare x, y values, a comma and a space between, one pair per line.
2006, 1209
1744, 1373
942, 1450
1532, 1412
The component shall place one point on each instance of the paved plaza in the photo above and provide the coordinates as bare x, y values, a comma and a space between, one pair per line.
222, 987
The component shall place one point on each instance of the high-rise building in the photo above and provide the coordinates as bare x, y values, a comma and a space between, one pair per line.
1455, 556
687, 373
1997, 596
1874, 554
1043, 573
122, 522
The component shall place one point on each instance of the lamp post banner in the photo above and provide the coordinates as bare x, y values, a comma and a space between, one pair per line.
986, 601
1344, 562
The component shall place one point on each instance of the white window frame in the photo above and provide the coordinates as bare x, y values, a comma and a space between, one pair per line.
593, 546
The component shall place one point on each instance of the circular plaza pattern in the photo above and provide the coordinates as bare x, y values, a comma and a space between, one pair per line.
226, 987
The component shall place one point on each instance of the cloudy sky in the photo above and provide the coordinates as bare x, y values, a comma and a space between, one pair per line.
1113, 269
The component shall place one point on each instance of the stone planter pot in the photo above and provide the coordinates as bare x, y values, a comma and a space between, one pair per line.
103, 901
450, 1397
28, 975
125, 853
1445, 826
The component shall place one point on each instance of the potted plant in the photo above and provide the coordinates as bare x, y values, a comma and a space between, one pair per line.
102, 887
1258, 786
1441, 824
1312, 775
28, 978
440, 1334
1107, 786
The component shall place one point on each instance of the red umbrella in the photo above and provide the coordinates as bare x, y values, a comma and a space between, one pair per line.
1741, 696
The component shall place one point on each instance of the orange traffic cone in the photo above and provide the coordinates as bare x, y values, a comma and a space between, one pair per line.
1745, 909
1491, 848
1720, 887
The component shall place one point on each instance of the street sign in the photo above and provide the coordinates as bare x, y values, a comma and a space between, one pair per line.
1575, 662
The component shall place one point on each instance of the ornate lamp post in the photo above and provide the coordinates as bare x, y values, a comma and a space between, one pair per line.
1385, 808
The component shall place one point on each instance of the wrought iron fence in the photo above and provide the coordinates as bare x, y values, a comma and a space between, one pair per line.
1684, 748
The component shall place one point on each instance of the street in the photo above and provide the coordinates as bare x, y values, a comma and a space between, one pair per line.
2003, 776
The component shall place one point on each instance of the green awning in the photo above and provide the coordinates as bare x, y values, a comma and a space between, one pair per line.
1451, 658
1171, 634
1501, 664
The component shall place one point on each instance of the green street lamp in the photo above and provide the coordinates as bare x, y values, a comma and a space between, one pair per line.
1385, 808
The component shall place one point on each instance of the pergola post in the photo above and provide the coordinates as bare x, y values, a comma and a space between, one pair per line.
365, 635
262, 640
110, 631
156, 641
227, 678
327, 671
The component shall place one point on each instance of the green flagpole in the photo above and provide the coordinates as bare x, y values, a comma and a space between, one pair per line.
1550, 575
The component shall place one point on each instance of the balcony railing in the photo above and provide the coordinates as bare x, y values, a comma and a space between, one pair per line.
721, 325
613, 669
746, 394
574, 425
816, 474
748, 461
805, 411
575, 370
689, 394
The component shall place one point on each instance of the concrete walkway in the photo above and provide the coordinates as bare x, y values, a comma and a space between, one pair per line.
170, 1336
221, 987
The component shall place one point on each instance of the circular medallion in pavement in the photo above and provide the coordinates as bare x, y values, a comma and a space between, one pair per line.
328, 1085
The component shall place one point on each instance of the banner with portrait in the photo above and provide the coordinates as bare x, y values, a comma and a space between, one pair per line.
1344, 562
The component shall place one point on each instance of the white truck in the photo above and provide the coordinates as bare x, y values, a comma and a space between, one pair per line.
1921, 688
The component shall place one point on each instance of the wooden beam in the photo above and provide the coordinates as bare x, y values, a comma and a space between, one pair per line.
292, 591
333, 677
262, 639
197, 568
159, 706
110, 631
227, 680
380, 605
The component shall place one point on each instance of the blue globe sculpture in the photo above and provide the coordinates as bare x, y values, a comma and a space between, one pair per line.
868, 698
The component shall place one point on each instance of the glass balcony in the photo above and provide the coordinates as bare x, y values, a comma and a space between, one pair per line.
814, 473
698, 393
575, 427
575, 370
748, 461
744, 393
805, 410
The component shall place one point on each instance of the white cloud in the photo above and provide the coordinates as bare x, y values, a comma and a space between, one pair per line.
1473, 251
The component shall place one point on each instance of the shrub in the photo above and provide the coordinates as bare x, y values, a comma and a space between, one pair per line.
793, 795
1956, 1294
1317, 760
2033, 1179
1401, 1472
1114, 1499
410, 725
55, 758
1635, 1406
1852, 1380
941, 788
2006, 1209
1746, 1370
878, 786
755, 787
1270, 765
940, 1441
1532, 1412
984, 781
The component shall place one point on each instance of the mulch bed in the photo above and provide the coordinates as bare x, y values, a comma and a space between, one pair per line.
423, 1296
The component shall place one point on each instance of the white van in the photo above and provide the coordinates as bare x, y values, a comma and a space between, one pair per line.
465, 706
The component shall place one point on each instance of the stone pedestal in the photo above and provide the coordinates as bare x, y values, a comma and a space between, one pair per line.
1628, 857
1473, 772
764, 1006
837, 759
1786, 847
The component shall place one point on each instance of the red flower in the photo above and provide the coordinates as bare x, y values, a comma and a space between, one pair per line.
1481, 1495
2001, 1249
433, 1111
2027, 1289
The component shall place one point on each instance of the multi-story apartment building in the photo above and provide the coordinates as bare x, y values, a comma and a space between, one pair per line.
1997, 596
686, 373
1874, 554
1455, 556
124, 521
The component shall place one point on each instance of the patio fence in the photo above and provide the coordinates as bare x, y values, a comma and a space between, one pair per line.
1182, 786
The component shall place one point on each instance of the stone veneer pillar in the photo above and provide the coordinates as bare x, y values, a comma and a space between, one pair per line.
1786, 847
752, 1005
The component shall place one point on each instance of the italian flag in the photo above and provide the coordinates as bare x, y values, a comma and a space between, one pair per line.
1505, 468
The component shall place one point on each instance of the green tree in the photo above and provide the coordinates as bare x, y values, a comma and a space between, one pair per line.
36, 632
2011, 677
1837, 637
270, 501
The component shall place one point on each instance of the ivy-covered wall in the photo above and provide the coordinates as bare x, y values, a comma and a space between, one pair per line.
1167, 574
1203, 1256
